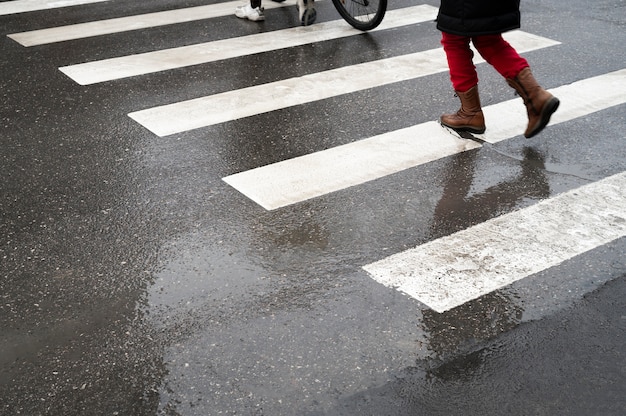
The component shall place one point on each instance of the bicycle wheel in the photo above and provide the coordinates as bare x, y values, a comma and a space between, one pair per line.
362, 14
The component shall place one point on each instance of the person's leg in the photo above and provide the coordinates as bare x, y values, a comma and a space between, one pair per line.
540, 104
462, 70
465, 82
500, 54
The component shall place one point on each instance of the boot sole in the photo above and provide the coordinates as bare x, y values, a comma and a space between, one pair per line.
464, 128
549, 109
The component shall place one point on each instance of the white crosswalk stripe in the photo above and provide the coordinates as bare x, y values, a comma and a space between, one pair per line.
129, 23
162, 60
441, 274
296, 180
23, 6
450, 271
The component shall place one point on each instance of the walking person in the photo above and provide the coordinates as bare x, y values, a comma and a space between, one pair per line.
254, 11
482, 22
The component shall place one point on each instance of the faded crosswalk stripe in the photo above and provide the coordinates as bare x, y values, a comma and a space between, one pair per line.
231, 105
452, 270
23, 6
167, 59
128, 23
295, 180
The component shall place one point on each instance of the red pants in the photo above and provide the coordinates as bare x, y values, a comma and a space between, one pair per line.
495, 50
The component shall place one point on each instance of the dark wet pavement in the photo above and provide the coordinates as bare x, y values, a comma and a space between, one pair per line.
134, 281
519, 373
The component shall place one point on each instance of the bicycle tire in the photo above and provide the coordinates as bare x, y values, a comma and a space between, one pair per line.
362, 14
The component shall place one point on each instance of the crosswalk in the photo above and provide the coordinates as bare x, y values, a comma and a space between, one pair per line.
162, 60
437, 273
187, 115
296, 180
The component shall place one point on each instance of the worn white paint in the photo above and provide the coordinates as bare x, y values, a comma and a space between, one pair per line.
577, 99
452, 270
294, 180
23, 6
128, 23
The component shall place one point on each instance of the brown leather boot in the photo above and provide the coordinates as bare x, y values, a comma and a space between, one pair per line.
540, 104
470, 116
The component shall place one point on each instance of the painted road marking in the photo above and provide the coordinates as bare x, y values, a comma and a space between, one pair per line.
578, 99
452, 270
309, 176
22, 6
128, 23
231, 105
167, 59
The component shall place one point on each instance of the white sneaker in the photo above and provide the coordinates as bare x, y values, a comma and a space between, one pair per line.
247, 12
306, 11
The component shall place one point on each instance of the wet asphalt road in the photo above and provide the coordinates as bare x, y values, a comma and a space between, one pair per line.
134, 281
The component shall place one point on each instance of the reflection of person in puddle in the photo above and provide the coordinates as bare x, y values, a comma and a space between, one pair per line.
470, 324
455, 210
483, 318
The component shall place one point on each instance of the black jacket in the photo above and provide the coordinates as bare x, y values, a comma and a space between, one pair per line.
478, 17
